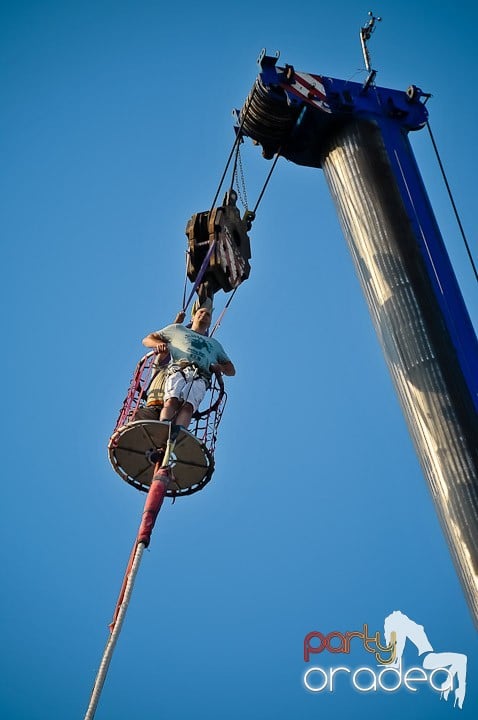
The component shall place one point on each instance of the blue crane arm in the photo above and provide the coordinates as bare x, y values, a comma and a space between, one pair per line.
358, 135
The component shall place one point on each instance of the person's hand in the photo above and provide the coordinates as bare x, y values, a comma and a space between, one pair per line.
161, 348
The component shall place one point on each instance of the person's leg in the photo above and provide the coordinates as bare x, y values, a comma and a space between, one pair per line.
170, 409
182, 398
149, 412
172, 396
184, 415
192, 395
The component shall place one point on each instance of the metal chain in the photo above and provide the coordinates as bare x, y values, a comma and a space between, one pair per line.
240, 180
236, 143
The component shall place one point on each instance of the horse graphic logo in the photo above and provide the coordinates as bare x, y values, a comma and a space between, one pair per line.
454, 663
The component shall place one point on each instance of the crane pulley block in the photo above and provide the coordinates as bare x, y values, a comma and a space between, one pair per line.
220, 233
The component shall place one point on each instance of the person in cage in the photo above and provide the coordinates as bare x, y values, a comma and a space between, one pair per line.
194, 358
155, 390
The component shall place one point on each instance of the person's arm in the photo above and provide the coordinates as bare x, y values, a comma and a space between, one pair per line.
226, 368
157, 341
179, 317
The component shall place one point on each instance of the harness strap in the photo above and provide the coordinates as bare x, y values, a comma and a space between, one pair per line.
183, 365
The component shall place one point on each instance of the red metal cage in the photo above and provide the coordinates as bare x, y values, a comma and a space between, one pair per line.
134, 442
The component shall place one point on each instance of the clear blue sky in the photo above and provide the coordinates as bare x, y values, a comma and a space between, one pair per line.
115, 127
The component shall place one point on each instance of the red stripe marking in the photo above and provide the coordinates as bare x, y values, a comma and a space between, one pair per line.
310, 87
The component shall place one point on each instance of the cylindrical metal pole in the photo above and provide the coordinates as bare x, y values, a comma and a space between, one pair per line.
370, 183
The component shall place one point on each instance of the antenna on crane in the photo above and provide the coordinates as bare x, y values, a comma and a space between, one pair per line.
365, 35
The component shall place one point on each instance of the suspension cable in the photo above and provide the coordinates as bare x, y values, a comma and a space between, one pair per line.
277, 156
237, 159
185, 282
205, 262
217, 324
237, 140
234, 167
450, 195
200, 274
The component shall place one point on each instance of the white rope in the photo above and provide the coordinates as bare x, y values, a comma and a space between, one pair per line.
110, 645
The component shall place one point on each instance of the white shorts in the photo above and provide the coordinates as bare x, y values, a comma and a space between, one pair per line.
185, 387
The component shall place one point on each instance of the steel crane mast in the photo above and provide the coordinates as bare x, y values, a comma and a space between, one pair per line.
357, 133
